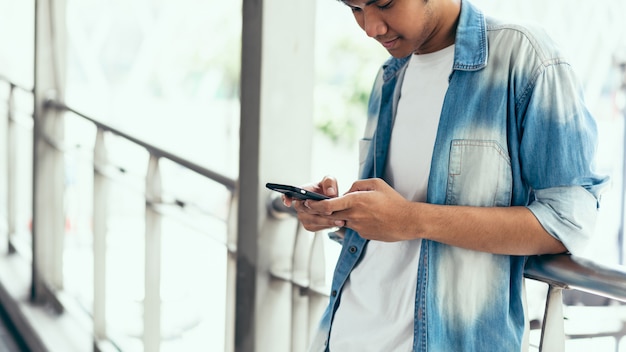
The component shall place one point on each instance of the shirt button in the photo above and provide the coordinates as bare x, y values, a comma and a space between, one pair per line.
352, 249
334, 293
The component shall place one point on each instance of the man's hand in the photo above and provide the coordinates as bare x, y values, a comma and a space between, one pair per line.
371, 207
312, 220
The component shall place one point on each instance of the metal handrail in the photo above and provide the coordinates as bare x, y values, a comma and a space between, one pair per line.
560, 270
154, 208
224, 180
7, 80
570, 272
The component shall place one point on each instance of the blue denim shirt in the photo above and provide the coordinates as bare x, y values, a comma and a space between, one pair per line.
514, 130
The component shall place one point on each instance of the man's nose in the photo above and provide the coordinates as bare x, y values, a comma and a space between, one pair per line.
373, 24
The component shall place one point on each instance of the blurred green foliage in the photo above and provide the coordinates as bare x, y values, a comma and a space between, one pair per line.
345, 72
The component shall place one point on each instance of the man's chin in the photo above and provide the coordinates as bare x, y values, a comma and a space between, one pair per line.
399, 54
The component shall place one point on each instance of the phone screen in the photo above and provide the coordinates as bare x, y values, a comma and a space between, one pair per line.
295, 192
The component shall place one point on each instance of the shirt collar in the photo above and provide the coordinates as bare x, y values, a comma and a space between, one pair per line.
471, 47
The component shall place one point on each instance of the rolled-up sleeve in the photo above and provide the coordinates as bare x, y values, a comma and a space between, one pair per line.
568, 214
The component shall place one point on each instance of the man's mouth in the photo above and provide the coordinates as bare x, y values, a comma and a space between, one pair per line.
388, 43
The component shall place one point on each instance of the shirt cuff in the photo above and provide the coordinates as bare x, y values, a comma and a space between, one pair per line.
568, 214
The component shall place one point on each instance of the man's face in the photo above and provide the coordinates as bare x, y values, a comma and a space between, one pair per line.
402, 26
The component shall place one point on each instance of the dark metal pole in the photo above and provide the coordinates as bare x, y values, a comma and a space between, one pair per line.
248, 212
621, 64
35, 279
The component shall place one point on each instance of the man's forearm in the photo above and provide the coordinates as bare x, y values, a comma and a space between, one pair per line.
503, 230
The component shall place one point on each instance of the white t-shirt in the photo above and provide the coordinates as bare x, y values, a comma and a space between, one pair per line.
376, 311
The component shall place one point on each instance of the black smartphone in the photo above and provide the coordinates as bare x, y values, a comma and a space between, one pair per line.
295, 192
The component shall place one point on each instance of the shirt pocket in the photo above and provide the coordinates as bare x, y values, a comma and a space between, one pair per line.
479, 174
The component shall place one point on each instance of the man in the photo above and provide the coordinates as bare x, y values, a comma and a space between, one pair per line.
478, 152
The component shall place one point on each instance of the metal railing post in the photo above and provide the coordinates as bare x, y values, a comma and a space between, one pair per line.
231, 275
152, 294
48, 216
100, 214
318, 289
300, 297
620, 62
11, 169
553, 331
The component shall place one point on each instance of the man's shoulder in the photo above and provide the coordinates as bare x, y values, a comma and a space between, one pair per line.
508, 37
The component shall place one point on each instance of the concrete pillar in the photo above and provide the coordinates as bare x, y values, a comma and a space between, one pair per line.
276, 139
